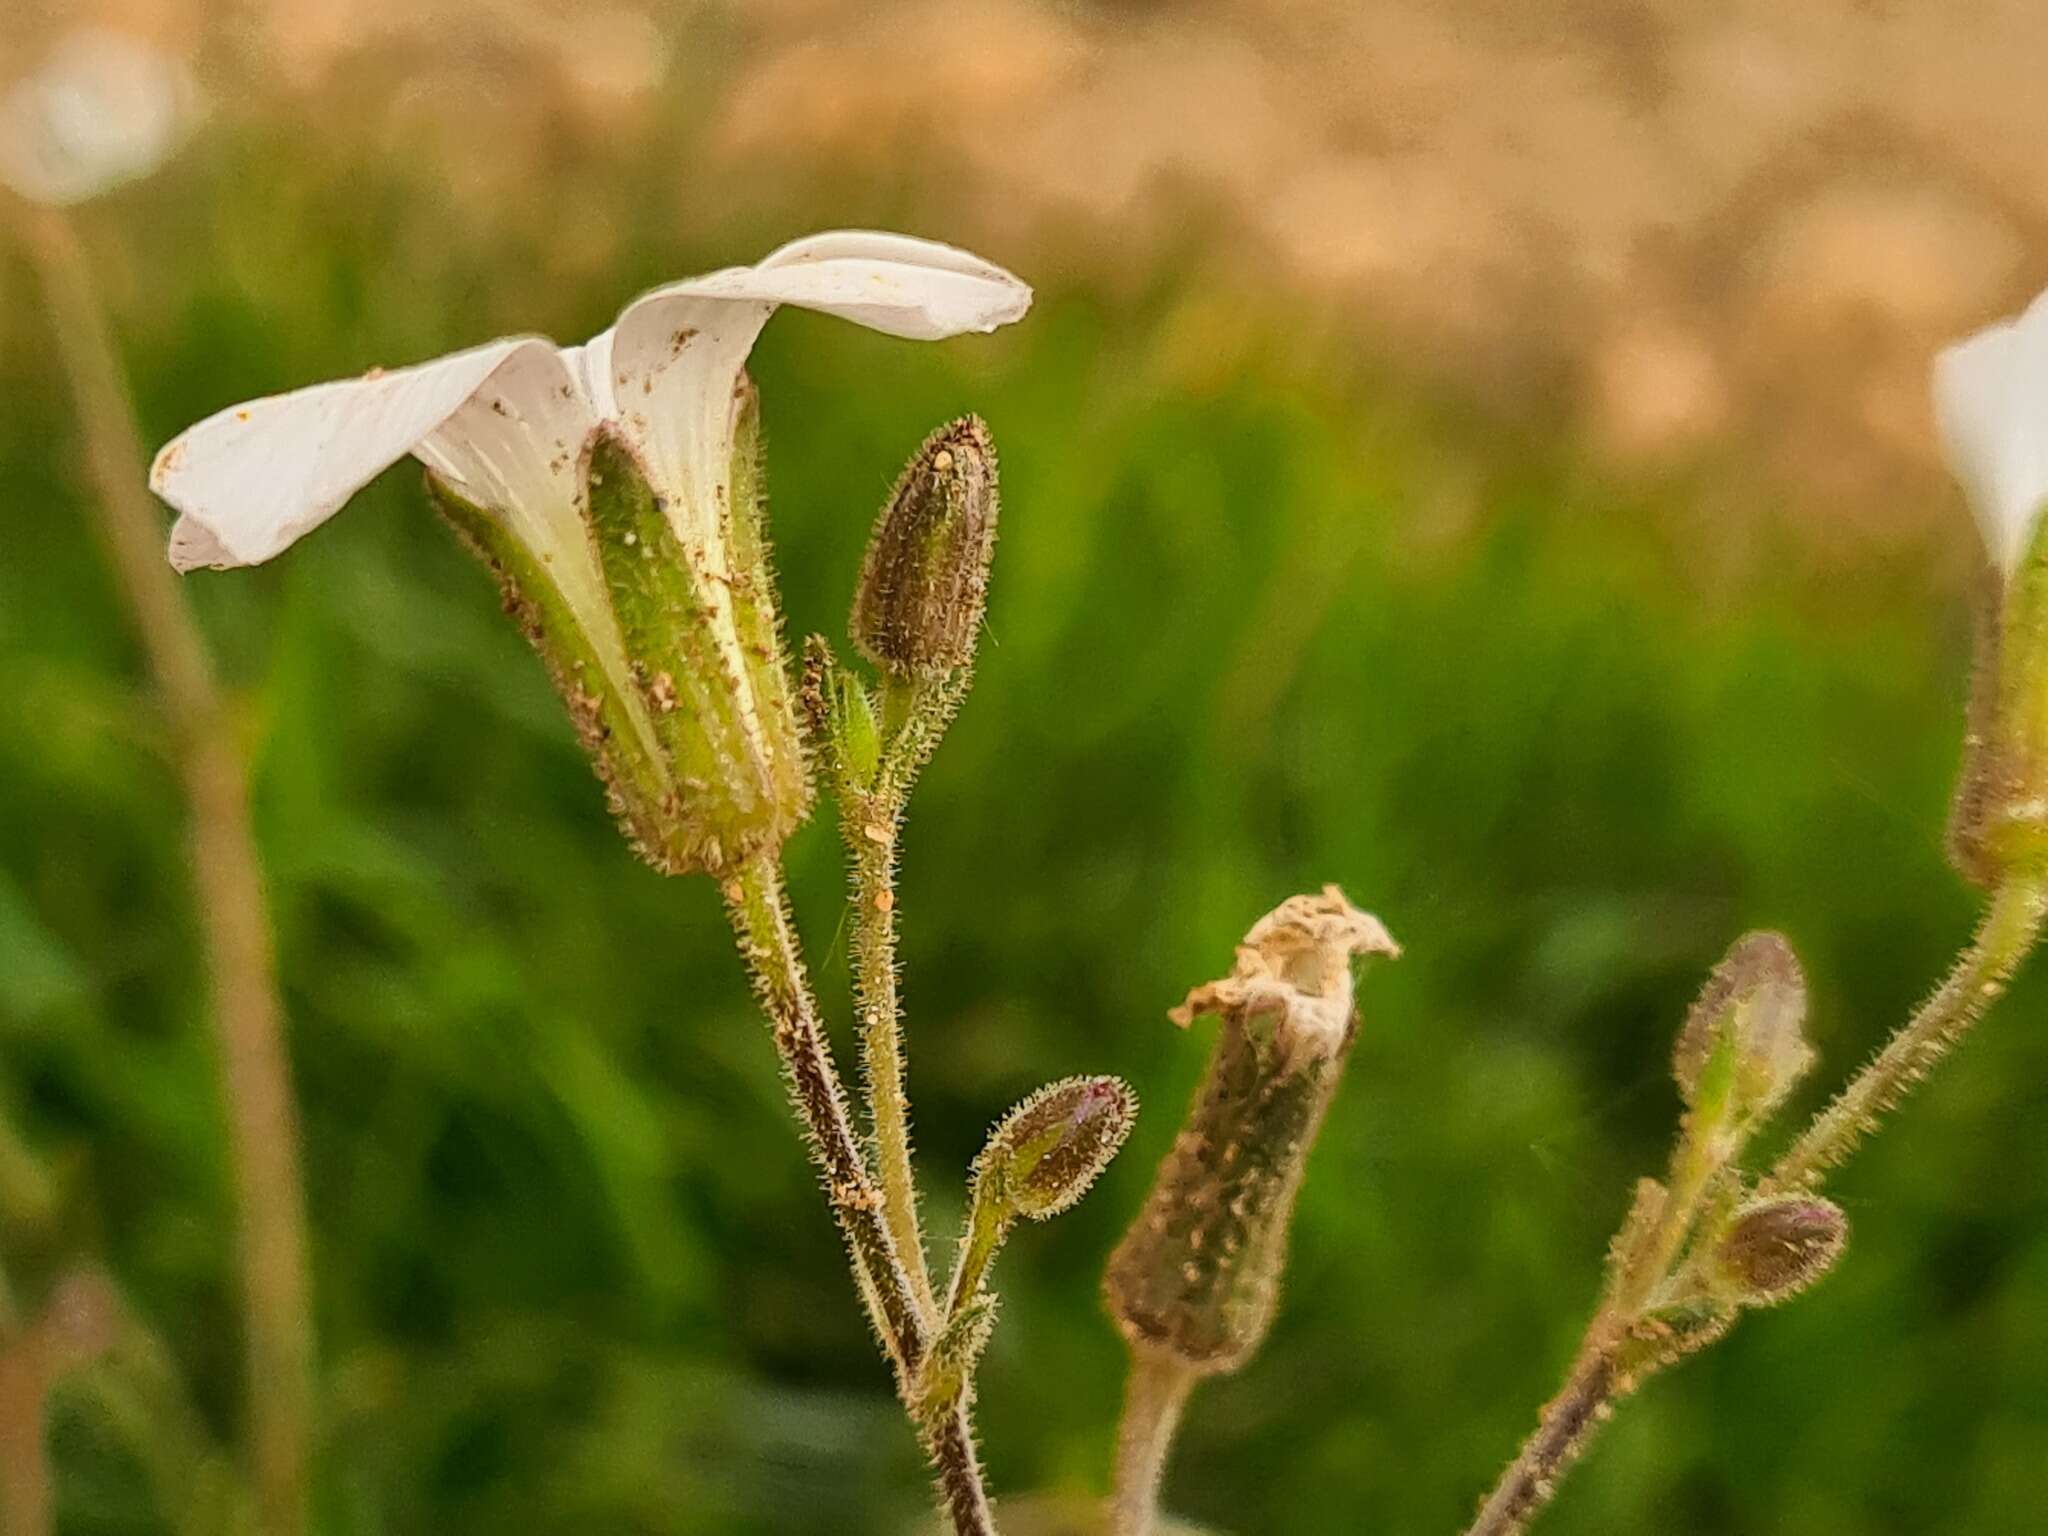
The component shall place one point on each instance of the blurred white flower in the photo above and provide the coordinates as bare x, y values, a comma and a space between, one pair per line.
1991, 404
103, 109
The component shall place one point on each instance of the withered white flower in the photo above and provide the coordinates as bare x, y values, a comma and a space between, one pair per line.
669, 659
103, 109
1991, 403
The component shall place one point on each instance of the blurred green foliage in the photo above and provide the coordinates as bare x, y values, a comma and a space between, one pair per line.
1265, 614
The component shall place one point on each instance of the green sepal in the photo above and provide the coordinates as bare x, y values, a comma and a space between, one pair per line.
611, 723
751, 584
682, 638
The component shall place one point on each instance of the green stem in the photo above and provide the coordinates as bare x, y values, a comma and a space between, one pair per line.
871, 824
768, 946
255, 1072
1154, 1395
987, 1227
2010, 929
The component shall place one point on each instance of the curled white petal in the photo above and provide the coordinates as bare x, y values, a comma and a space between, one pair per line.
504, 423
103, 109
249, 481
1991, 404
674, 357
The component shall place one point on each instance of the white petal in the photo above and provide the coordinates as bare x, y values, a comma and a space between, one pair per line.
675, 354
250, 480
103, 109
1991, 404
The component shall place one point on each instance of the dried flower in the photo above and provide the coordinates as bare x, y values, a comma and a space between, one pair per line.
1197, 1276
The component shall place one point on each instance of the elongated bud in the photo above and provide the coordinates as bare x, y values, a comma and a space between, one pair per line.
1742, 1047
1197, 1276
1045, 1153
924, 583
1777, 1248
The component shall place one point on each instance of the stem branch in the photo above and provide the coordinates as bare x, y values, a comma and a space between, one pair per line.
2009, 930
768, 946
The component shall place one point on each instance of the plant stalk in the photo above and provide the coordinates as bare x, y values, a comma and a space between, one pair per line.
1564, 1427
1157, 1390
2010, 928
767, 941
872, 825
255, 1072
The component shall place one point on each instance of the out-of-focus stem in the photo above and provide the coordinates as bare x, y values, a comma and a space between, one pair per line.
1154, 1396
1563, 1429
2009, 931
768, 947
24, 1457
255, 1074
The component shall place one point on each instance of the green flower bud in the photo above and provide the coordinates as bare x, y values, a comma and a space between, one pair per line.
1742, 1049
1046, 1152
1777, 1248
924, 584
1197, 1276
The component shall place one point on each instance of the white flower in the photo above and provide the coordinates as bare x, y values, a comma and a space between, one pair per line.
504, 423
103, 109
701, 751
1991, 403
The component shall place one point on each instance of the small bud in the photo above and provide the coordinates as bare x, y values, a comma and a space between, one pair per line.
841, 718
1197, 1276
1777, 1248
1050, 1148
1742, 1049
924, 583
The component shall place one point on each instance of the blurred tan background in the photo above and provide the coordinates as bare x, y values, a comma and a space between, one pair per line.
1671, 224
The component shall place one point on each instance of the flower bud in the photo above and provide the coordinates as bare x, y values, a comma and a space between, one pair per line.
1050, 1148
1741, 1049
924, 583
1197, 1276
1777, 1248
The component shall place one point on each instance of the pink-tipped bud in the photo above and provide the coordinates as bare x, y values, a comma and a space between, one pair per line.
1050, 1148
1742, 1048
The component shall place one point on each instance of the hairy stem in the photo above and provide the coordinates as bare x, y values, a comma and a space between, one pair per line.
1563, 1429
2010, 929
1154, 1396
871, 827
255, 1073
768, 945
